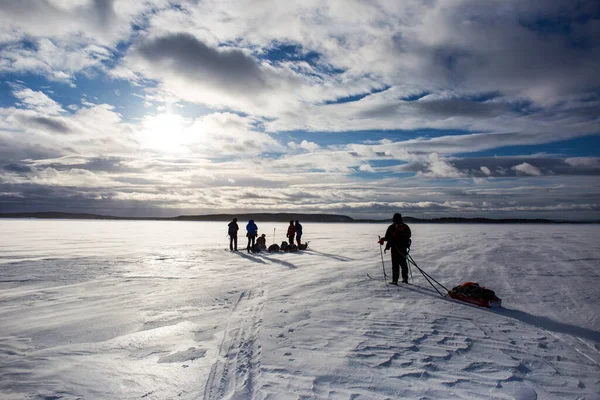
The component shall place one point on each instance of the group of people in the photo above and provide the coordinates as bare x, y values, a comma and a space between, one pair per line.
260, 242
397, 236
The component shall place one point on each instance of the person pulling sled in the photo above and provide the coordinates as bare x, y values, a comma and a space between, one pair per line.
398, 240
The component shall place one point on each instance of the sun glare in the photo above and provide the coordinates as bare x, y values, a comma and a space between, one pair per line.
168, 133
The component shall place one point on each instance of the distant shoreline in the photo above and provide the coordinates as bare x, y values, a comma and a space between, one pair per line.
285, 217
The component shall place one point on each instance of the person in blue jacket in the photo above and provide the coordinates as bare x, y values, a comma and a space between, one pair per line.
252, 230
298, 233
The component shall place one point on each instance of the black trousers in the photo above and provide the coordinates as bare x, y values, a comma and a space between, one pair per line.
399, 261
251, 238
232, 242
291, 237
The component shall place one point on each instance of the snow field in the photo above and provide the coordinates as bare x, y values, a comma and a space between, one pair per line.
158, 310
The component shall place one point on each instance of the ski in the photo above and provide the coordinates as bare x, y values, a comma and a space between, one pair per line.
375, 279
378, 279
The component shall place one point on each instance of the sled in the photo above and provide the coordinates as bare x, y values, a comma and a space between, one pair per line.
472, 293
494, 303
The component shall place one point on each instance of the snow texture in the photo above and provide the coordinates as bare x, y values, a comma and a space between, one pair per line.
161, 310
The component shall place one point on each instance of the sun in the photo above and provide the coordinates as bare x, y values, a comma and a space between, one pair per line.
167, 133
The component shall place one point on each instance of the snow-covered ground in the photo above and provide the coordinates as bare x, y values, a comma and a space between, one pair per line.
160, 310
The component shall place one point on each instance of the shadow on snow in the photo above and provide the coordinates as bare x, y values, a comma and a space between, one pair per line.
550, 325
275, 260
249, 257
335, 257
540, 322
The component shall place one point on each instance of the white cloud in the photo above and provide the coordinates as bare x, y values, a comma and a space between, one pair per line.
527, 169
366, 168
584, 162
305, 145
485, 170
37, 101
437, 167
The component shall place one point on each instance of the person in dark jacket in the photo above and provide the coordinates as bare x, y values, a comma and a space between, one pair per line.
298, 233
252, 230
261, 242
291, 232
398, 240
232, 232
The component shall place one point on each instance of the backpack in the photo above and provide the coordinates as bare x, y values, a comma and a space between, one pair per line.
274, 248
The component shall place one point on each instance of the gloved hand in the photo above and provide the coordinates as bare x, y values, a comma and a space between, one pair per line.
380, 241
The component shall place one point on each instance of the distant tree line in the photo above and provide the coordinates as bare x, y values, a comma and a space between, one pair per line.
285, 217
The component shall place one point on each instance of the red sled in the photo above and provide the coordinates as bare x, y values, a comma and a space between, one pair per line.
471, 292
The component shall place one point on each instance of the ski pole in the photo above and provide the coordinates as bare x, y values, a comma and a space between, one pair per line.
409, 267
273, 235
382, 264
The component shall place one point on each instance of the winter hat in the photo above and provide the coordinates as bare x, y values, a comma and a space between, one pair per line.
397, 218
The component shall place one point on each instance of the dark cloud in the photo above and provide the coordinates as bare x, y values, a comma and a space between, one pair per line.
47, 123
183, 54
439, 108
104, 10
459, 108
24, 7
515, 55
538, 49
94, 164
380, 111
13, 150
43, 198
18, 168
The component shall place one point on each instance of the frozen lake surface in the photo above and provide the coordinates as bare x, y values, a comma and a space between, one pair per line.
161, 310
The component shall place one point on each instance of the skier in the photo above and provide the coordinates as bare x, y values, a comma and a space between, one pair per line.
298, 233
232, 232
397, 237
252, 230
291, 232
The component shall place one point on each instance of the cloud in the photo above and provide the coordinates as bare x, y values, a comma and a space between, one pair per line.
46, 123
366, 168
183, 54
37, 100
440, 168
586, 163
105, 21
527, 169
445, 108
447, 78
18, 168
305, 145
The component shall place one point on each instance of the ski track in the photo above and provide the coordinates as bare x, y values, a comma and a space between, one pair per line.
234, 373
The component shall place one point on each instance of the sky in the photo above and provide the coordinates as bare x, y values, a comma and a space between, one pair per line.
364, 108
